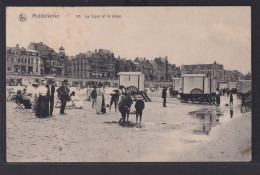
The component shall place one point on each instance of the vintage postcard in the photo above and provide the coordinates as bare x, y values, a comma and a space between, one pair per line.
128, 84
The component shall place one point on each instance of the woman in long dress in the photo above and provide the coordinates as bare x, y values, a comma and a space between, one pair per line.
35, 98
100, 104
42, 107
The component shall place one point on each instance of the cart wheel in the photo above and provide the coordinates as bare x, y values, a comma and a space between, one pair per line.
131, 90
196, 95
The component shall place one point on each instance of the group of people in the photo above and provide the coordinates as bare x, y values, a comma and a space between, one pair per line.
43, 94
43, 98
123, 105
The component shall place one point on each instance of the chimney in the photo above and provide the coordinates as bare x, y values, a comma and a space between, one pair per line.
17, 45
41, 42
144, 58
96, 50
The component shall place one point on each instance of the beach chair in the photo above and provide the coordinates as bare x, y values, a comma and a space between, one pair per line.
11, 94
70, 105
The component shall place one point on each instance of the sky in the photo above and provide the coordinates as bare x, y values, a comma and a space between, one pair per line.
186, 35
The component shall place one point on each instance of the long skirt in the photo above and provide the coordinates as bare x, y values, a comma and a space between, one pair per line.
103, 107
99, 104
42, 107
35, 100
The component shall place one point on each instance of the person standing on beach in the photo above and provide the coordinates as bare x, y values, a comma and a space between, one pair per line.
114, 99
123, 108
164, 95
217, 96
100, 104
35, 98
128, 103
231, 99
41, 109
139, 107
63, 95
50, 96
94, 96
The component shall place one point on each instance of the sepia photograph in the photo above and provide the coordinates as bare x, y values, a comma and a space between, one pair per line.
128, 84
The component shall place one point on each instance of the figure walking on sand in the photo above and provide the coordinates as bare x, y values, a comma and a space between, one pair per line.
63, 95
128, 103
139, 107
114, 99
123, 108
164, 95
100, 104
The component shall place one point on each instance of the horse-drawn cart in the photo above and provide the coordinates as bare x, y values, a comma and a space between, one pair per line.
198, 88
132, 83
244, 87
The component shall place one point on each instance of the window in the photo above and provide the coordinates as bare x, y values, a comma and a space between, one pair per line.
25, 60
16, 68
29, 60
12, 59
32, 60
18, 60
21, 60
36, 69
37, 61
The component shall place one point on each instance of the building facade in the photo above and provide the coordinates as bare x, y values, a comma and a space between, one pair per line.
23, 62
53, 63
98, 65
212, 70
144, 65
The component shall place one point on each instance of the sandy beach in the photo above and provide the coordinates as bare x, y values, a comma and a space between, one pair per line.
166, 134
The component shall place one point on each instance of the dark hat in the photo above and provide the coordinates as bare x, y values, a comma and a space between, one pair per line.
66, 80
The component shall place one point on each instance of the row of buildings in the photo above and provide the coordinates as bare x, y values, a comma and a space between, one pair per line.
41, 60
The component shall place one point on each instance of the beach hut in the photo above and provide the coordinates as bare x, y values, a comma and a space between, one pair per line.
133, 83
198, 88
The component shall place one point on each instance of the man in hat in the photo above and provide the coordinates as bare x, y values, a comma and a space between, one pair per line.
139, 107
164, 95
50, 96
63, 95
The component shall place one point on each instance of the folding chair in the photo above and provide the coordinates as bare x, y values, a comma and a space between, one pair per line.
19, 106
11, 94
71, 106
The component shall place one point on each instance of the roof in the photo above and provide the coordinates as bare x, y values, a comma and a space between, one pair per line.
130, 73
29, 50
193, 75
